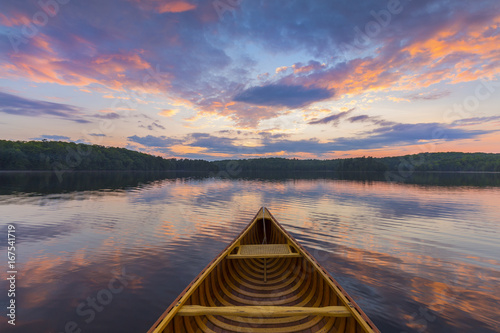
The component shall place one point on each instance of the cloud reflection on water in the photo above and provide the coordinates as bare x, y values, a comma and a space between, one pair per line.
396, 248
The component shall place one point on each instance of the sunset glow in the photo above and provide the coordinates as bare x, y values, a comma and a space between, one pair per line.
244, 79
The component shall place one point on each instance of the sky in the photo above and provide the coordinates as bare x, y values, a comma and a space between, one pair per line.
231, 79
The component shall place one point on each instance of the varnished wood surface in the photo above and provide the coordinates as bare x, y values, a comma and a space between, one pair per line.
263, 311
272, 287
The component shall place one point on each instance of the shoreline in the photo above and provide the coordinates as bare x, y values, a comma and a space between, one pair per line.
207, 171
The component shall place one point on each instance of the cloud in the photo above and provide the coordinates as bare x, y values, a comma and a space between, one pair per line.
334, 118
157, 125
16, 105
492, 32
311, 66
475, 121
229, 145
271, 136
107, 115
175, 7
292, 96
429, 96
168, 112
153, 141
185, 49
405, 134
154, 125
281, 69
437, 51
295, 146
361, 118
52, 137
388, 136
214, 144
97, 134
370, 119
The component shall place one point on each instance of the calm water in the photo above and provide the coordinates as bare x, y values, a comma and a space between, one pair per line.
417, 257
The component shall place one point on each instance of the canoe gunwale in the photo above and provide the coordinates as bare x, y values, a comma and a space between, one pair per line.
351, 303
177, 302
263, 213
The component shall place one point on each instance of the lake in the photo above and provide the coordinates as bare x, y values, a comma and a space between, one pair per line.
417, 256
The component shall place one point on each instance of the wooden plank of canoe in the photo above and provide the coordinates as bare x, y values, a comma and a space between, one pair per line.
263, 311
264, 251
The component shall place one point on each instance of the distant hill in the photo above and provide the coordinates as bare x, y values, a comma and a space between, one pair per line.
451, 161
57, 155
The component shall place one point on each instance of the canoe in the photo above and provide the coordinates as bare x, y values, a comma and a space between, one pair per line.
264, 281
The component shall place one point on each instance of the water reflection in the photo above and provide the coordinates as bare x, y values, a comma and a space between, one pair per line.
417, 258
50, 182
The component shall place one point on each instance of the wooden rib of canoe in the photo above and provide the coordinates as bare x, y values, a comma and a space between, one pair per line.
264, 281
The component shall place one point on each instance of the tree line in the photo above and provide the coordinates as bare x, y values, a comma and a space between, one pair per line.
58, 155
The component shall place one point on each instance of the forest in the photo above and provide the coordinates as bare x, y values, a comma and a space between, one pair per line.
58, 155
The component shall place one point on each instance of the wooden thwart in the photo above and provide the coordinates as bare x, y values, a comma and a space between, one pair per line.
264, 251
263, 311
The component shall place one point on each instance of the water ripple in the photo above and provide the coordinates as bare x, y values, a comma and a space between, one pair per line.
399, 250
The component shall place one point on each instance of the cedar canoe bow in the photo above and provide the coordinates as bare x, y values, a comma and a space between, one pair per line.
264, 281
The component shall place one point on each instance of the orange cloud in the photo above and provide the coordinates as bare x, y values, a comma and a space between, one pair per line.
304, 69
118, 71
119, 63
168, 112
281, 69
457, 53
106, 111
181, 149
445, 45
175, 7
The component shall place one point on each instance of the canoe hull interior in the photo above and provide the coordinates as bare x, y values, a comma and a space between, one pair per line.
270, 287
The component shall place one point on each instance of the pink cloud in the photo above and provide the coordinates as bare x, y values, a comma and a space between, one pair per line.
175, 7
117, 71
14, 19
